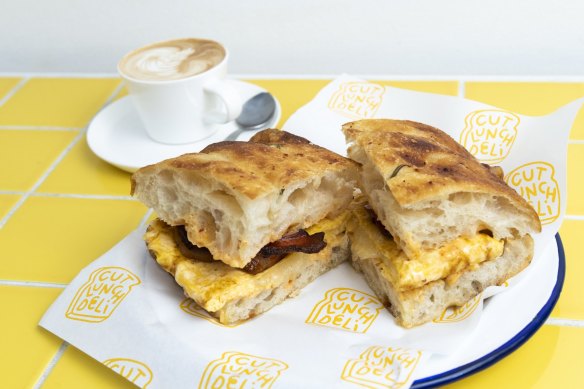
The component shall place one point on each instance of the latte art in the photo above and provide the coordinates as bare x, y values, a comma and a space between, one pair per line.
172, 60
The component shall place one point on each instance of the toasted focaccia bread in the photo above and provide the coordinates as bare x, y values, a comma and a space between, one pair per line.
232, 295
381, 261
427, 189
235, 197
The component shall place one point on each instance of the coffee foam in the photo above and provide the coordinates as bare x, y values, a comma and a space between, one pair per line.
172, 60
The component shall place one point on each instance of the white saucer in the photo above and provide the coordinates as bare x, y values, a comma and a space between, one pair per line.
117, 135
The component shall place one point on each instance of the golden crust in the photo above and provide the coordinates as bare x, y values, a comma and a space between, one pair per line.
421, 163
271, 160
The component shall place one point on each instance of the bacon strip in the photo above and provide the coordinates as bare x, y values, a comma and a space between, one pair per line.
300, 241
377, 222
269, 255
188, 249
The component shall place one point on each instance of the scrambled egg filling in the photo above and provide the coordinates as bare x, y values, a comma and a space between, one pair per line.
446, 262
214, 284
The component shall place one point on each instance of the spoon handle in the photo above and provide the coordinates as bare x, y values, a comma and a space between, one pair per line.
234, 135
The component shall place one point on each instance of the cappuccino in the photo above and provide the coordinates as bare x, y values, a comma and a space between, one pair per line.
172, 60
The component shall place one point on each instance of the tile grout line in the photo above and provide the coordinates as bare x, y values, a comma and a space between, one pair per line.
39, 182
13, 91
53, 165
50, 366
461, 88
83, 196
145, 218
36, 284
565, 322
37, 128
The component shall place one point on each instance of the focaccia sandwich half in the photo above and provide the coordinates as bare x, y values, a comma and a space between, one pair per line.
445, 226
243, 225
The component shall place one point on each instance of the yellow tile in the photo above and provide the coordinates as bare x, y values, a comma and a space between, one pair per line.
92, 175
571, 304
52, 239
63, 102
26, 347
7, 202
293, 94
76, 369
552, 358
29, 153
529, 98
6, 85
575, 179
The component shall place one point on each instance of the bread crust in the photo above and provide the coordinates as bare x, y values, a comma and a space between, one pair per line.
235, 197
420, 163
271, 160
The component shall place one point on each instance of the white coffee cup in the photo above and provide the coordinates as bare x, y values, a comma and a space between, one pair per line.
179, 89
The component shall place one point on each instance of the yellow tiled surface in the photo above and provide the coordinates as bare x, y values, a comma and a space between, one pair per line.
529, 98
26, 347
575, 179
571, 303
57, 102
92, 175
76, 369
552, 358
7, 84
51, 239
26, 155
81, 209
7, 202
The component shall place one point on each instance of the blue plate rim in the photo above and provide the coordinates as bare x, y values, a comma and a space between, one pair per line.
512, 344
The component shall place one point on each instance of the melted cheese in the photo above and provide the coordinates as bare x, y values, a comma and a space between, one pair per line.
446, 262
214, 284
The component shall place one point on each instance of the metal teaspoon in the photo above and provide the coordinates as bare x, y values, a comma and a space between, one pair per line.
255, 113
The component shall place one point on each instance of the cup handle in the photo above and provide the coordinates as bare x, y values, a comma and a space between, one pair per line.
230, 98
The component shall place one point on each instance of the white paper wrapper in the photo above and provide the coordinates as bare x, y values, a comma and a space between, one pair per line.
129, 314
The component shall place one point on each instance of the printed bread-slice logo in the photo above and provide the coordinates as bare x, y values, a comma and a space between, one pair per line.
454, 314
98, 298
489, 134
134, 371
192, 308
359, 100
382, 367
346, 309
241, 371
537, 184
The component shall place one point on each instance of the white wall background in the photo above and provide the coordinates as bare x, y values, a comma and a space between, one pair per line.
384, 37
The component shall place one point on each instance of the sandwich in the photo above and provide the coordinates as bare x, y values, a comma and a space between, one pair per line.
243, 225
434, 227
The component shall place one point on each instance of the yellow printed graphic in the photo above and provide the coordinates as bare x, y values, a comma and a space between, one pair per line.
489, 134
134, 371
537, 184
359, 100
98, 298
192, 308
346, 309
454, 314
241, 371
382, 367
